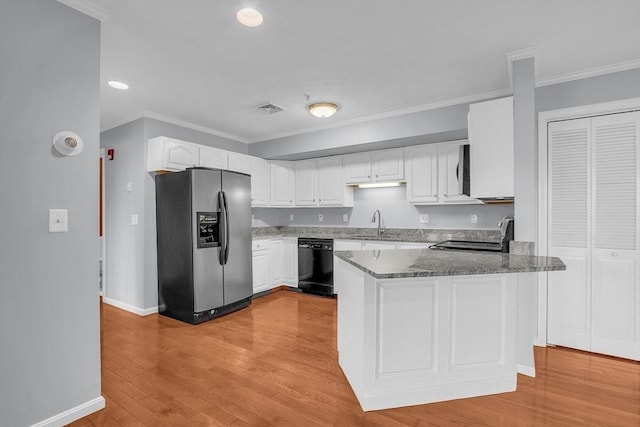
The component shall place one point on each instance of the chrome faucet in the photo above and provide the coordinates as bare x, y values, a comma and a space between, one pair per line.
373, 219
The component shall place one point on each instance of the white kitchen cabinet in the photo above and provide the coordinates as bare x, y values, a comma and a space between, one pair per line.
275, 262
282, 183
374, 166
372, 244
357, 168
260, 264
347, 245
306, 185
422, 174
259, 181
593, 205
239, 162
171, 154
492, 149
320, 182
434, 174
213, 158
387, 165
290, 267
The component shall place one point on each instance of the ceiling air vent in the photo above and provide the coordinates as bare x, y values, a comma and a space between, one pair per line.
270, 108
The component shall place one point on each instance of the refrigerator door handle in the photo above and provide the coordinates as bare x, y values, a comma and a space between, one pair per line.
224, 250
223, 227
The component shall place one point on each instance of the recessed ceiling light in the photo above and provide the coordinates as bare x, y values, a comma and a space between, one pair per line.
249, 17
380, 184
118, 85
322, 110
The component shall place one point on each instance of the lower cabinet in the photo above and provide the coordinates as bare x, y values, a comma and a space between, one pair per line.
260, 264
275, 263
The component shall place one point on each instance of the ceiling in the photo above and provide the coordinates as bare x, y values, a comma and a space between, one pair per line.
191, 62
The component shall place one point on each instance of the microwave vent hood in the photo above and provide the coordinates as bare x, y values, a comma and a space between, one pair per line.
496, 200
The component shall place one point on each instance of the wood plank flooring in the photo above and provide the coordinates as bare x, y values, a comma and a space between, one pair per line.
275, 364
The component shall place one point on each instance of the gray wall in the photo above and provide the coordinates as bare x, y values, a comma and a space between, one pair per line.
395, 211
130, 261
438, 125
49, 305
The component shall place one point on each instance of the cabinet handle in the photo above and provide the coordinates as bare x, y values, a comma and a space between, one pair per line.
614, 254
376, 175
368, 176
320, 200
313, 200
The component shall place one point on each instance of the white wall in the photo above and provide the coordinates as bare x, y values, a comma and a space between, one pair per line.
49, 304
395, 211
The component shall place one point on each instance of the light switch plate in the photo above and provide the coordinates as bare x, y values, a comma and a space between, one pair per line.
424, 218
320, 218
345, 217
129, 187
290, 217
58, 221
474, 219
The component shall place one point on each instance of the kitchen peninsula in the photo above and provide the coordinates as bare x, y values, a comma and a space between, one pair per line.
421, 325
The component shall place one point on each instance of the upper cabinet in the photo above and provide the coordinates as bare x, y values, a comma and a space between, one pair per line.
282, 183
171, 154
435, 174
491, 140
260, 178
376, 166
239, 162
213, 158
320, 182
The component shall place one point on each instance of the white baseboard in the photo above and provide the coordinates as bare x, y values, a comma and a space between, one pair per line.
130, 308
526, 370
73, 414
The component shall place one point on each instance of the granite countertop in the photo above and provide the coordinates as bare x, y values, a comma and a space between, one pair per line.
387, 264
389, 234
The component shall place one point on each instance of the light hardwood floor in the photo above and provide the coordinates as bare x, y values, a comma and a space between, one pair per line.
275, 364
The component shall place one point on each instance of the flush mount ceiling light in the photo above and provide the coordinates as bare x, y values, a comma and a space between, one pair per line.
322, 110
249, 17
118, 85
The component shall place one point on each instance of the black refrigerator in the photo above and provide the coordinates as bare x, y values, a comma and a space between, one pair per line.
203, 226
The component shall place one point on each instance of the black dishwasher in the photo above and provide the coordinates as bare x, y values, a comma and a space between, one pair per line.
315, 266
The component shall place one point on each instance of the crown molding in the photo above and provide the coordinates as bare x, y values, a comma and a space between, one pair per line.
192, 126
88, 8
390, 114
516, 55
591, 72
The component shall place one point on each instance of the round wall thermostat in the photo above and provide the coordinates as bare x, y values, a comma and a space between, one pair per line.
67, 143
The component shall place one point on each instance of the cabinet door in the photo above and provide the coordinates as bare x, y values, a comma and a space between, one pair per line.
282, 183
331, 185
239, 162
259, 181
306, 183
615, 280
179, 155
290, 273
422, 174
260, 264
357, 168
388, 165
275, 262
569, 291
450, 172
491, 140
213, 158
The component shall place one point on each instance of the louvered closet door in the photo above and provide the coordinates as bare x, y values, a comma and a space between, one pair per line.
569, 291
615, 328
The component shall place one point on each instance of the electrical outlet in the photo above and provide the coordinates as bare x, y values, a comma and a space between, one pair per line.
320, 218
134, 219
129, 187
345, 217
253, 217
474, 219
424, 218
290, 217
57, 220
